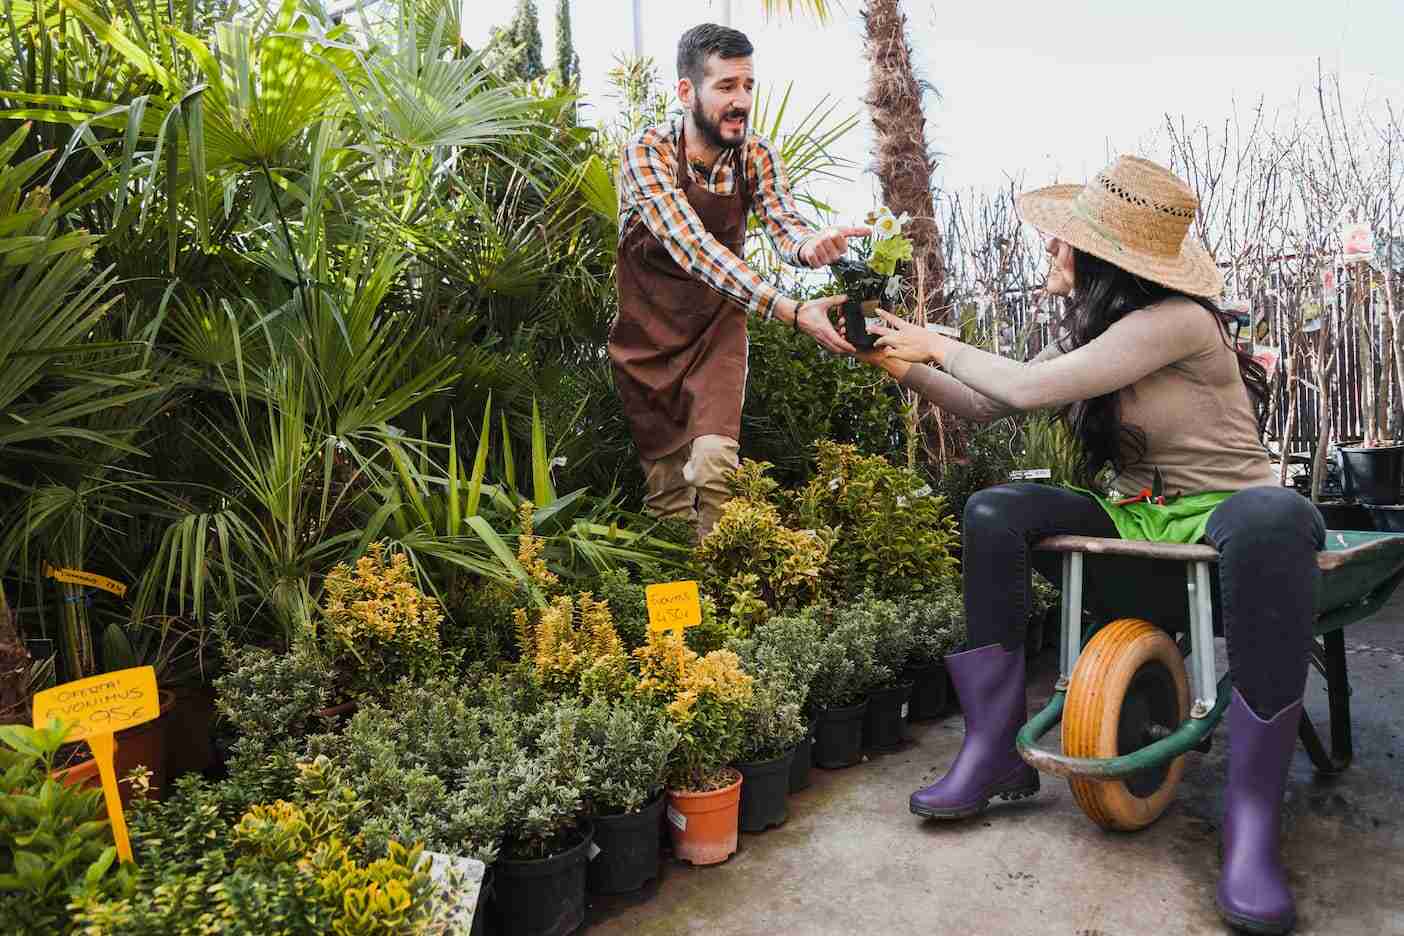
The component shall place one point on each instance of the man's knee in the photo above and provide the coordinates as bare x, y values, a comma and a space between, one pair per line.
713, 457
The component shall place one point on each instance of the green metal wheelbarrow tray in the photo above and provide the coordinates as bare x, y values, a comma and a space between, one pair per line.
1130, 699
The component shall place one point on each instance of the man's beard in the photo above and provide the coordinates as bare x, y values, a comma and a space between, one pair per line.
712, 132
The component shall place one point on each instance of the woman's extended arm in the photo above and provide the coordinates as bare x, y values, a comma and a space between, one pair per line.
1140, 343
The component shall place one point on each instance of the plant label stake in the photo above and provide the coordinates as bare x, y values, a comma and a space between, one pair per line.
96, 708
673, 606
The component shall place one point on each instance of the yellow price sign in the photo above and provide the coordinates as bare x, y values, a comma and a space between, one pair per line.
673, 606
89, 579
95, 708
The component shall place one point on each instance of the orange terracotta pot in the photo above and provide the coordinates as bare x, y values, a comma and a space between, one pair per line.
145, 745
83, 774
703, 825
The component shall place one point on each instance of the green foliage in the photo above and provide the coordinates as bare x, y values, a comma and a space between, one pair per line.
892, 637
797, 392
891, 534
752, 563
273, 697
381, 627
786, 652
848, 665
567, 60
773, 723
286, 866
938, 623
524, 60
627, 749
1048, 443
55, 842
705, 696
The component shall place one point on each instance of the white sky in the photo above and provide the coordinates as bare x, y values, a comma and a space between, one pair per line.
1042, 90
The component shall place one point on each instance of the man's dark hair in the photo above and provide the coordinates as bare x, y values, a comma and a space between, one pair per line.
705, 40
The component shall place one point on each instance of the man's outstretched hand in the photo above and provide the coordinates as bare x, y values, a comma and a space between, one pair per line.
830, 244
812, 318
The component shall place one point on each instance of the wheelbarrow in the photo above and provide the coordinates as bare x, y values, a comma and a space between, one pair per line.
1138, 693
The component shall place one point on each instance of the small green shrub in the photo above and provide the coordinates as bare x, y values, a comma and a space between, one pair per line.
848, 665
892, 535
270, 696
938, 624
752, 563
627, 748
772, 723
55, 841
705, 696
785, 652
378, 624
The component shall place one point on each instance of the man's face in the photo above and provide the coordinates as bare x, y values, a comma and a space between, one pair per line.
721, 103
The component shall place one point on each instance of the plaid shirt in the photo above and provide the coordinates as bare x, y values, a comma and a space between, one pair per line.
650, 193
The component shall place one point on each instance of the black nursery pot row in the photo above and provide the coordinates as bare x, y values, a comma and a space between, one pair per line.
879, 722
622, 854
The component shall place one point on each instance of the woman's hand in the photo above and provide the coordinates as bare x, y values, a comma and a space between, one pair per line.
908, 342
883, 359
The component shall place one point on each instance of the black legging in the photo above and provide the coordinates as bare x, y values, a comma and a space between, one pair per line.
1267, 538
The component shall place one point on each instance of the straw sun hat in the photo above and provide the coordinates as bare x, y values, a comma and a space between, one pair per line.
1134, 214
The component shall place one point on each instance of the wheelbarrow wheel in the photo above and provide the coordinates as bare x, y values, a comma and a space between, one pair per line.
1127, 690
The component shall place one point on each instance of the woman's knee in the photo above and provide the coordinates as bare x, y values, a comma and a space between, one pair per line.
996, 507
1274, 515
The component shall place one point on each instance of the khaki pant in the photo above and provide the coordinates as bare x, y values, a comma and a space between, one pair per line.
691, 482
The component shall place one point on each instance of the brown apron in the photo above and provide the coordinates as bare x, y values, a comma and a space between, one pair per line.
677, 345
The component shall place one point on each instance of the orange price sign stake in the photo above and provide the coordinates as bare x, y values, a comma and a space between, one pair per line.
673, 606
96, 708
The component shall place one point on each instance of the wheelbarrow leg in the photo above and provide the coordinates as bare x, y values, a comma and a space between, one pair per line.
1329, 657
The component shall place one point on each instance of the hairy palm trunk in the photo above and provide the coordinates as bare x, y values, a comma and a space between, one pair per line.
904, 163
14, 667
904, 167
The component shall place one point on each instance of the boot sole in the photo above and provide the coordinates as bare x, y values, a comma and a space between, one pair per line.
974, 809
1257, 927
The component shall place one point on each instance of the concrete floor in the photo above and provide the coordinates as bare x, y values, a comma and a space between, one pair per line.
852, 859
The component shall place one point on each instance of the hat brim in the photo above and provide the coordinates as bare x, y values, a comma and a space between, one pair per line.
1050, 209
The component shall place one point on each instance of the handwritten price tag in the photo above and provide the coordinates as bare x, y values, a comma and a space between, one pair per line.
91, 580
673, 606
97, 707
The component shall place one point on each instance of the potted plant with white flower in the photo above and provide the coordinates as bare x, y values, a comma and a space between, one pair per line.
874, 274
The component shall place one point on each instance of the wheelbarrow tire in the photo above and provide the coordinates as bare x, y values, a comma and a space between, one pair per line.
1130, 677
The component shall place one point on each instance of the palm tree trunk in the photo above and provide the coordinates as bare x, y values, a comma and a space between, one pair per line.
904, 163
904, 166
14, 665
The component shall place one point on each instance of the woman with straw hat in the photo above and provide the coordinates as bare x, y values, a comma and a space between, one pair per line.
1144, 374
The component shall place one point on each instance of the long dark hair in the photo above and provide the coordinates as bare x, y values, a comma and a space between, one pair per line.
1104, 293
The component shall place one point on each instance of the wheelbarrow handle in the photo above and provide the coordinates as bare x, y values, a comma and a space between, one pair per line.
1190, 734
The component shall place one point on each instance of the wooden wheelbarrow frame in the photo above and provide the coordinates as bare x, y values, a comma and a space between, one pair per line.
1359, 573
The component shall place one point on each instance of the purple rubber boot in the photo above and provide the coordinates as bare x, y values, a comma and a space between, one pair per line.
1253, 893
990, 684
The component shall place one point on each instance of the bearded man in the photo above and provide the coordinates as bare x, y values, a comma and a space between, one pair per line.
678, 344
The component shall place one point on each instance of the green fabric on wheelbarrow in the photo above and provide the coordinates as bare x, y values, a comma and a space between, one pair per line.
1180, 519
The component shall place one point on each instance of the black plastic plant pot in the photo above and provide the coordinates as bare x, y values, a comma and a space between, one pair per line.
887, 712
764, 786
1373, 474
802, 761
838, 739
1339, 515
545, 896
929, 696
855, 325
629, 850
